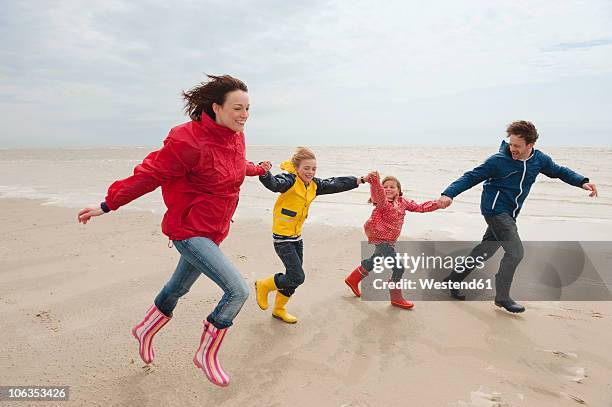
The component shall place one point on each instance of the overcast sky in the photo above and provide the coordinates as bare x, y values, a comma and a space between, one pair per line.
79, 73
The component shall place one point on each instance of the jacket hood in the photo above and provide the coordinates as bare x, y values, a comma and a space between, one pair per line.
504, 147
288, 166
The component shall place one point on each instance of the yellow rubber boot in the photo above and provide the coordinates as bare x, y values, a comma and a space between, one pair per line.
279, 310
262, 289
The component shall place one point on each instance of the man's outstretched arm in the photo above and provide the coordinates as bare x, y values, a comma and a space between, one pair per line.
567, 175
471, 178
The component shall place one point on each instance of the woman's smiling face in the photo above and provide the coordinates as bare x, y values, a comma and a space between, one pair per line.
235, 110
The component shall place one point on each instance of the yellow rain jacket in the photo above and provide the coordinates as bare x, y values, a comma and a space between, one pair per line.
291, 207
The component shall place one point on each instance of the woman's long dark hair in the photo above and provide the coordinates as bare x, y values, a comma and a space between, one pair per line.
200, 98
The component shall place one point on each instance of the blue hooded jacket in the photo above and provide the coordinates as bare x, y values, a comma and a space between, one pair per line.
508, 181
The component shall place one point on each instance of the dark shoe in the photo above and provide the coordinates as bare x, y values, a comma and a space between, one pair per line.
454, 292
510, 305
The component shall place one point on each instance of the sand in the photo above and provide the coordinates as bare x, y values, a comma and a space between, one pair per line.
70, 293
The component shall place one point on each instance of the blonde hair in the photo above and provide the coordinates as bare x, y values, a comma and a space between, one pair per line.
301, 154
390, 178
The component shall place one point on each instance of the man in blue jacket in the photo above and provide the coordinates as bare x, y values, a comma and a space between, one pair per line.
508, 177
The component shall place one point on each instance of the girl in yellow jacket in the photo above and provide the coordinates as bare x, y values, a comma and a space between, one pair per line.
298, 188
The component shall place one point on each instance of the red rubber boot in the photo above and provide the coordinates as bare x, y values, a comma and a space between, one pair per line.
354, 278
398, 300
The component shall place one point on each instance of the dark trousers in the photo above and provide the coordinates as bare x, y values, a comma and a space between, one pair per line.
292, 256
501, 232
383, 250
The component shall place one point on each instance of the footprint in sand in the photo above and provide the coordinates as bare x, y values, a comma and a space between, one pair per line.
575, 374
593, 314
560, 316
558, 353
484, 397
557, 394
148, 369
574, 398
45, 318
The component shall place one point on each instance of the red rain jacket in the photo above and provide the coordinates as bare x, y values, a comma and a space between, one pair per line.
200, 169
385, 223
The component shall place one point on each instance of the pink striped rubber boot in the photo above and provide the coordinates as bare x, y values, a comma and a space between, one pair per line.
144, 332
206, 357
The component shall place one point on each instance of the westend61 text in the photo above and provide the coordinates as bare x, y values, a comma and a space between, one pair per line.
431, 284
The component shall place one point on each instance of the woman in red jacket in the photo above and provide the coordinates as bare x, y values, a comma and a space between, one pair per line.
200, 169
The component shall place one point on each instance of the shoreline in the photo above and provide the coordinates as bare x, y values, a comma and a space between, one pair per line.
452, 224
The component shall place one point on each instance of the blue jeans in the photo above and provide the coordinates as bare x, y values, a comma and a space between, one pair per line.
292, 256
384, 250
200, 255
501, 232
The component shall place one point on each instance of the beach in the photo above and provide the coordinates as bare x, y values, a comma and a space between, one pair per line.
70, 294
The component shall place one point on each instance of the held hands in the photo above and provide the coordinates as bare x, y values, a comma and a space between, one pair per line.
444, 201
87, 213
592, 188
266, 165
370, 177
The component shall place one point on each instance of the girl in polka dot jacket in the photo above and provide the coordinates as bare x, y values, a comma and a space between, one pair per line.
384, 228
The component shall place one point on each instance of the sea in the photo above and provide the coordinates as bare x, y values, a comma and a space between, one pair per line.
74, 178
